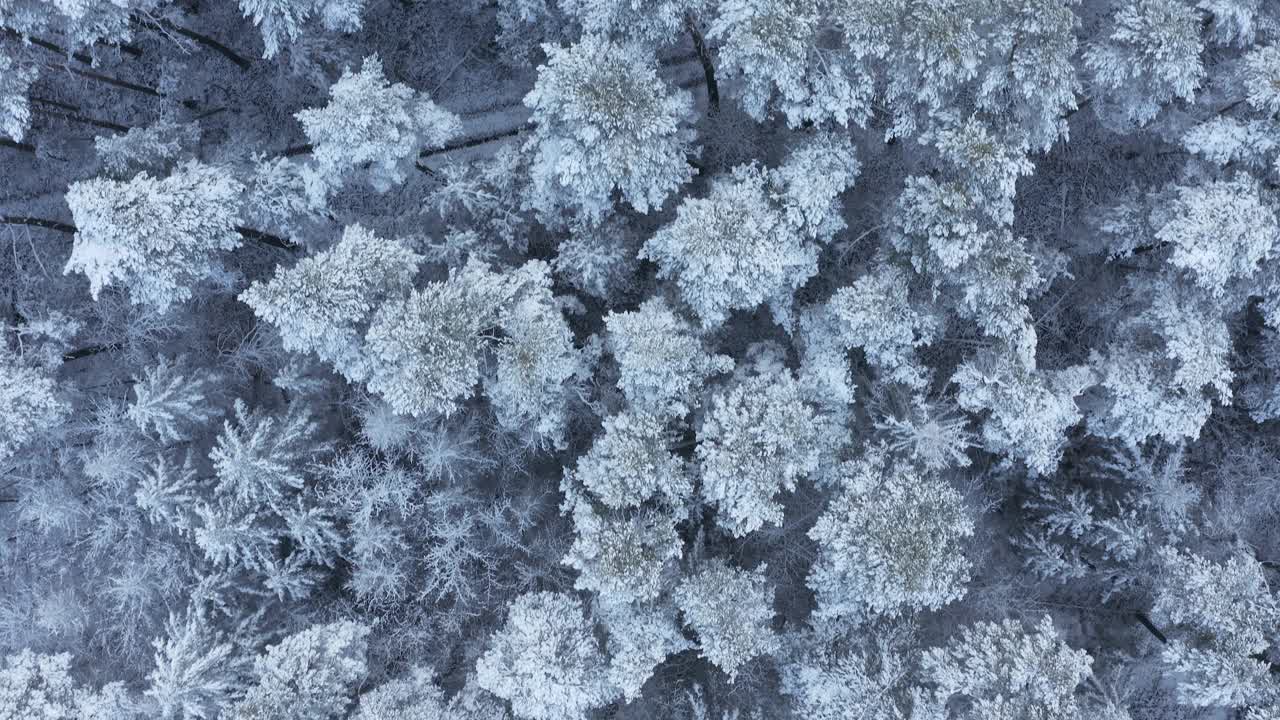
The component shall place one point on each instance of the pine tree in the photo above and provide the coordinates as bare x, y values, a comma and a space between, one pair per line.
929, 50
1029, 410
832, 673
758, 438
731, 610
754, 238
154, 148
372, 123
172, 402
536, 369
281, 21
412, 697
1229, 614
545, 660
641, 637
81, 22
196, 671
1219, 231
1172, 357
1028, 82
623, 556
1149, 56
661, 360
323, 304
156, 237
656, 21
889, 542
1260, 76
732, 250
603, 122
1007, 670
877, 315
631, 462
15, 104
36, 686
424, 351
777, 51
30, 406
310, 675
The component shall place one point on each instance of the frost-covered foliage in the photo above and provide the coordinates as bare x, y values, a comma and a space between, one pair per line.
156, 237
604, 121
641, 637
323, 304
170, 401
15, 107
757, 440
1228, 613
310, 675
876, 315
282, 21
1007, 670
1029, 410
425, 350
622, 556
153, 148
755, 238
889, 542
653, 20
631, 461
629, 359
1219, 231
545, 660
29, 405
375, 124
536, 368
661, 360
196, 671
829, 674
1149, 56
41, 687
777, 49
731, 610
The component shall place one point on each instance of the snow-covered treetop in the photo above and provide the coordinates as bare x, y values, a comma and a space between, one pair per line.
603, 122
370, 122
156, 237
890, 541
731, 610
545, 660
323, 304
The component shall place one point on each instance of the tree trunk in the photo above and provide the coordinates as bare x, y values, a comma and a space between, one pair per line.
704, 57
38, 222
223, 50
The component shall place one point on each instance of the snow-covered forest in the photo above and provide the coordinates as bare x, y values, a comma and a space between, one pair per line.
639, 359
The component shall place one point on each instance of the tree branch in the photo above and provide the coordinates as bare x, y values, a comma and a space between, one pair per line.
205, 40
38, 222
266, 238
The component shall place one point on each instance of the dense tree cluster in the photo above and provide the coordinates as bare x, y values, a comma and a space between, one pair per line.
630, 359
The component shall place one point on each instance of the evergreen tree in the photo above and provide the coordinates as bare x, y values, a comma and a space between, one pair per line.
310, 675
889, 542
158, 238
545, 660
731, 611
324, 303
660, 357
370, 122
758, 438
603, 122
1007, 670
